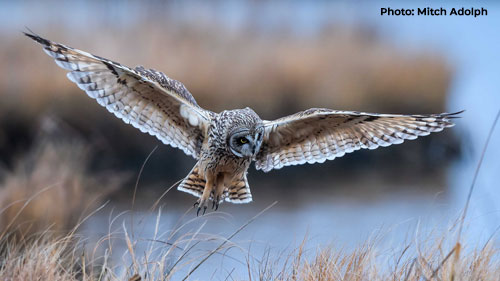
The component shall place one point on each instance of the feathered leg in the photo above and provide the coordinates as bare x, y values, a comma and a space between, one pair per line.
205, 197
219, 190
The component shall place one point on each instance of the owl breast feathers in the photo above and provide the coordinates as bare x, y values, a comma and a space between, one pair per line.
163, 107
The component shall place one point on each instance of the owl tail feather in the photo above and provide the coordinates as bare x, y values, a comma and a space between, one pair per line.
193, 183
238, 191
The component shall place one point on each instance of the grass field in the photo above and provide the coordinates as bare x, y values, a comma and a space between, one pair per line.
47, 257
40, 240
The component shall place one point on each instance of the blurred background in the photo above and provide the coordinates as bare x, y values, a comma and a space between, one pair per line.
66, 155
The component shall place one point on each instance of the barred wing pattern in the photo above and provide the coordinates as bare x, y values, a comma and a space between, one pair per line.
317, 134
146, 99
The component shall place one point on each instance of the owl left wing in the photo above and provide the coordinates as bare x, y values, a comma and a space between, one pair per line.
145, 98
318, 134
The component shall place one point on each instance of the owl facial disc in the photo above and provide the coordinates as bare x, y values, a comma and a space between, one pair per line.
245, 142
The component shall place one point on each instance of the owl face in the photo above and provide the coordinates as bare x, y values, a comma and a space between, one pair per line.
245, 142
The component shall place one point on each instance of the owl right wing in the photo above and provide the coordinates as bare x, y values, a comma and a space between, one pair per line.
145, 98
318, 134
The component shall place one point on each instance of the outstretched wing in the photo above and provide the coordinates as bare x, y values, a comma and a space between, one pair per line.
317, 134
145, 98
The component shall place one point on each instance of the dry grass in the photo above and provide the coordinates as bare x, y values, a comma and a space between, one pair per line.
421, 259
45, 258
432, 262
51, 188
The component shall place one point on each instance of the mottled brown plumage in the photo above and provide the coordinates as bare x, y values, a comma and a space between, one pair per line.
226, 143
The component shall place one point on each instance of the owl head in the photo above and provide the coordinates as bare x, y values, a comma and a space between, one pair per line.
246, 133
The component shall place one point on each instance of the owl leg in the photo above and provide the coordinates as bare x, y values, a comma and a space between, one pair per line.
219, 190
205, 197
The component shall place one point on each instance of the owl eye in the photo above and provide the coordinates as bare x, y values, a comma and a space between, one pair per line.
242, 140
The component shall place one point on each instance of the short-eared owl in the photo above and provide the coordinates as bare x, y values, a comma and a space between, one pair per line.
226, 143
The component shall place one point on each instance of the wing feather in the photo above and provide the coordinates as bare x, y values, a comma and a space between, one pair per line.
145, 98
318, 134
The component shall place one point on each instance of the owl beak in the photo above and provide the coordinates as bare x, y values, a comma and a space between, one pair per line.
250, 152
256, 144
255, 148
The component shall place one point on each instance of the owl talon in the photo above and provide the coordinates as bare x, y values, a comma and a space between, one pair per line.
201, 204
215, 205
199, 209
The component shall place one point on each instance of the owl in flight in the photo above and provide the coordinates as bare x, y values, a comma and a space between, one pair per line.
224, 144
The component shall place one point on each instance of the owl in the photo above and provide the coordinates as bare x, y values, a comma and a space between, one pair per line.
226, 143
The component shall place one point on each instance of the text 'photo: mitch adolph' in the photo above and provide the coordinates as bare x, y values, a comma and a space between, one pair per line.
428, 11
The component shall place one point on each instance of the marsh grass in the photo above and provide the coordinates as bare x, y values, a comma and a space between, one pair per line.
34, 245
50, 188
428, 261
164, 258
42, 258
